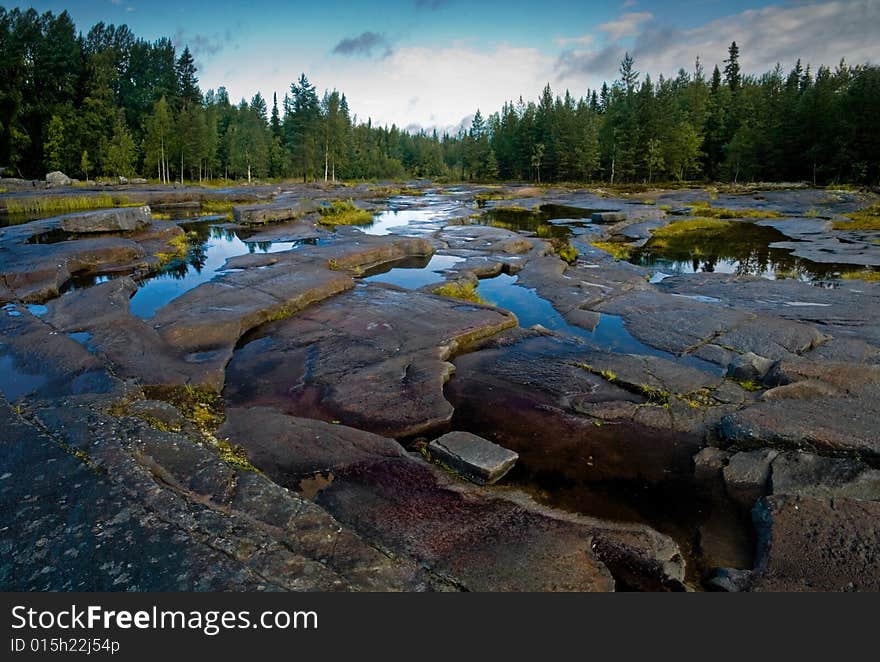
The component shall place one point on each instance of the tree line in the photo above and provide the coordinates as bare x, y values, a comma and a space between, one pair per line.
109, 103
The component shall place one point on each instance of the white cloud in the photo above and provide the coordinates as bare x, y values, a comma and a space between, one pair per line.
818, 33
583, 40
625, 25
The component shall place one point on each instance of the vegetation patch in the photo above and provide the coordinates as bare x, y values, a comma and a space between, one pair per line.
701, 225
870, 275
460, 290
618, 249
864, 219
60, 204
179, 245
565, 250
343, 212
200, 405
706, 210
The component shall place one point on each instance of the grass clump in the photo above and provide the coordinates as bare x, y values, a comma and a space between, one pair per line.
460, 290
618, 249
706, 210
179, 245
864, 219
702, 225
200, 405
59, 204
870, 275
343, 212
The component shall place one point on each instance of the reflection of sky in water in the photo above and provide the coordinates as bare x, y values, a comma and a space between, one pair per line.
436, 209
531, 309
14, 383
414, 278
219, 247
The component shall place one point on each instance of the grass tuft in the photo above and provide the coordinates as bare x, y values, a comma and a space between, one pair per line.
460, 290
618, 249
343, 212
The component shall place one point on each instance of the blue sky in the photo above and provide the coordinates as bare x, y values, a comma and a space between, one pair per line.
431, 63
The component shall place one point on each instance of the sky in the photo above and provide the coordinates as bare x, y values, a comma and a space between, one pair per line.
432, 63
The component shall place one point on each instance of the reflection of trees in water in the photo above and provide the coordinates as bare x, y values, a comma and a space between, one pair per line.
745, 248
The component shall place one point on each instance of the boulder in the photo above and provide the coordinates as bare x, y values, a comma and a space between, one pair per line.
123, 219
747, 476
273, 212
475, 458
57, 178
608, 217
749, 367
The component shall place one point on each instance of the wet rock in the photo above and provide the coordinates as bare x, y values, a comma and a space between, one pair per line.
806, 424
475, 458
123, 219
133, 508
731, 580
57, 178
808, 544
376, 358
274, 212
709, 463
806, 474
608, 217
749, 367
536, 398
476, 541
747, 476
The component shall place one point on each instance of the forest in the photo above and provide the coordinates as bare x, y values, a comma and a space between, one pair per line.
107, 103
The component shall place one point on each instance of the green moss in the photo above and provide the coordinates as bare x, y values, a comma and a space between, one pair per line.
60, 204
179, 245
459, 290
200, 405
870, 275
702, 225
232, 454
343, 212
864, 219
618, 249
706, 210
750, 385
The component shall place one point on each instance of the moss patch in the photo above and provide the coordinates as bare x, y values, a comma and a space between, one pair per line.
343, 212
618, 249
200, 405
460, 290
862, 274
864, 219
60, 204
706, 210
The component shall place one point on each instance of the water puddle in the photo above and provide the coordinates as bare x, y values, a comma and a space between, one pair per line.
210, 247
413, 216
547, 222
413, 273
741, 249
15, 383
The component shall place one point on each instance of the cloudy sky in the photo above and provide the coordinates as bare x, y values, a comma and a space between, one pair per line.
431, 63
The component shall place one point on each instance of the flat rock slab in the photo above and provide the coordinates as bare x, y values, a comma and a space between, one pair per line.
808, 544
475, 458
273, 212
123, 219
477, 541
376, 358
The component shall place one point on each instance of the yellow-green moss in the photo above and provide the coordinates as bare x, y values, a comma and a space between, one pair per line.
200, 405
691, 225
706, 210
864, 219
60, 204
460, 290
343, 212
618, 249
750, 385
179, 245
862, 274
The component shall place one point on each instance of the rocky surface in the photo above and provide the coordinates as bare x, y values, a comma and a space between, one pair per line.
475, 458
248, 434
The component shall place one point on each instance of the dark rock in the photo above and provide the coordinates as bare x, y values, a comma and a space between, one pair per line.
475, 458
123, 219
608, 217
709, 463
273, 212
807, 544
747, 476
376, 358
806, 474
